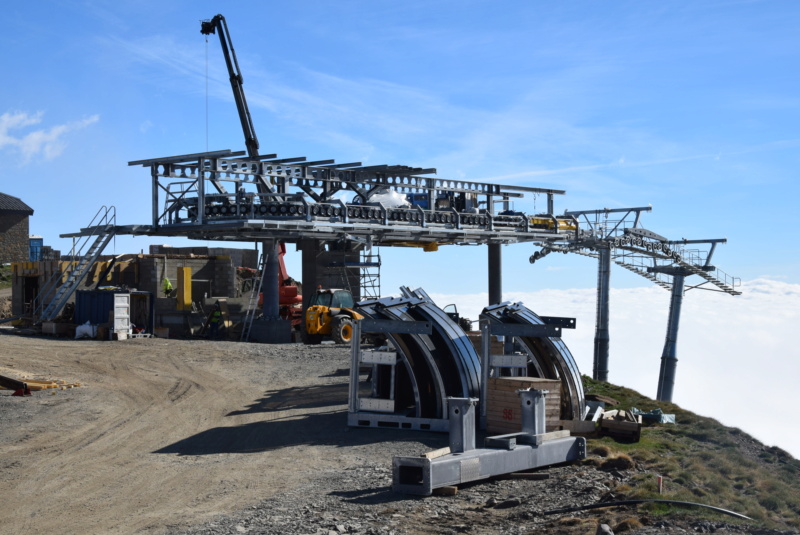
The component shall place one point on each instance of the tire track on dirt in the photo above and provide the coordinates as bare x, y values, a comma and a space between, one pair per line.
112, 458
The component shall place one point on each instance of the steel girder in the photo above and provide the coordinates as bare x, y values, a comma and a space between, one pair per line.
549, 357
502, 454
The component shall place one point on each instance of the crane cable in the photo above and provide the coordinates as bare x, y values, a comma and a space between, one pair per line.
206, 93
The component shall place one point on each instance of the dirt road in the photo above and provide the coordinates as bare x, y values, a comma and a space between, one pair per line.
166, 432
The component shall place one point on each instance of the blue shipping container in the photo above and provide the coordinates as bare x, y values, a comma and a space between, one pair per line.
36, 245
93, 306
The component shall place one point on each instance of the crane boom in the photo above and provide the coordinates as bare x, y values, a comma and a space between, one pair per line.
220, 27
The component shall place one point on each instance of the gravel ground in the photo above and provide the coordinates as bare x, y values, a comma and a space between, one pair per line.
199, 437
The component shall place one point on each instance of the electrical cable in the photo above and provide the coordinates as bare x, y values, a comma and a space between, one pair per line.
206, 93
600, 505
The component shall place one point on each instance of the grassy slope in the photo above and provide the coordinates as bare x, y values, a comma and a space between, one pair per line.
5, 276
703, 461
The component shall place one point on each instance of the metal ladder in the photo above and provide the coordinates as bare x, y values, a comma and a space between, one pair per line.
252, 304
370, 274
101, 230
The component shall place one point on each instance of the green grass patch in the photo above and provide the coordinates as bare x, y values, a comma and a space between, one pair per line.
703, 461
5, 276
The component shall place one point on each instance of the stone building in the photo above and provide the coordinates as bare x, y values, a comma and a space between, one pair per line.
14, 229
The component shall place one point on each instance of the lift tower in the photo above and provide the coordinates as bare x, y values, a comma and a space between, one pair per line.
669, 360
615, 235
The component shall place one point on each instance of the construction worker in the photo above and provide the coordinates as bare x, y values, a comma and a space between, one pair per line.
166, 286
214, 321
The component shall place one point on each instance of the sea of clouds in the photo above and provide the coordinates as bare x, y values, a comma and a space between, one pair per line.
737, 359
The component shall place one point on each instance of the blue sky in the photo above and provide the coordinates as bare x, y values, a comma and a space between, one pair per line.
692, 107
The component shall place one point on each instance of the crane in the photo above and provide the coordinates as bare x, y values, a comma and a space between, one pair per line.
284, 293
218, 26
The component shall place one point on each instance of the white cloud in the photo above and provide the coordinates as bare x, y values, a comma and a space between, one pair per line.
738, 362
46, 142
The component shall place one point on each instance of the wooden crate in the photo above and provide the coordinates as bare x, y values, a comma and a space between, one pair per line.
503, 407
477, 342
57, 329
161, 332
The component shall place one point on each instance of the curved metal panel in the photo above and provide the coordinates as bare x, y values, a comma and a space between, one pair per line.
459, 350
550, 357
439, 365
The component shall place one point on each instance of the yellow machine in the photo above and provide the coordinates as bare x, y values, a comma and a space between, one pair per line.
550, 222
330, 315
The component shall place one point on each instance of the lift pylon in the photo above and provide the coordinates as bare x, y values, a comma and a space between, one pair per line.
616, 235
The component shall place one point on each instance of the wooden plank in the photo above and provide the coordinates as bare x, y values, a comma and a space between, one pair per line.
554, 435
553, 393
514, 399
511, 383
223, 308
435, 454
510, 413
578, 426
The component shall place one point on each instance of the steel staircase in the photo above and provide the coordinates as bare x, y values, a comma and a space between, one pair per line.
102, 229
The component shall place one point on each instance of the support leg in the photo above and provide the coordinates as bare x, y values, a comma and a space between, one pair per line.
669, 361
601, 336
495, 274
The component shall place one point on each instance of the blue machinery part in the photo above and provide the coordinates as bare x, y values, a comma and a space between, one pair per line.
429, 359
503, 454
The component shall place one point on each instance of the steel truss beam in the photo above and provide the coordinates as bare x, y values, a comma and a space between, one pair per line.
220, 196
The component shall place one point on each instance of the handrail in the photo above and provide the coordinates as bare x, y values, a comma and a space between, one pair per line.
104, 217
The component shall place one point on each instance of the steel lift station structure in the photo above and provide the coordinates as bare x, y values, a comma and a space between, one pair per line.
248, 196
228, 196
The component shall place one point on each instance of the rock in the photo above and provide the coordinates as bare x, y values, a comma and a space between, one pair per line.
507, 504
603, 529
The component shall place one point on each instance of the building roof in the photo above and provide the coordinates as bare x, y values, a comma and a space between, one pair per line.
14, 205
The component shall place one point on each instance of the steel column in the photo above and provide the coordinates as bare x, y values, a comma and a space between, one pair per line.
601, 336
462, 424
533, 411
309, 271
669, 361
495, 274
271, 308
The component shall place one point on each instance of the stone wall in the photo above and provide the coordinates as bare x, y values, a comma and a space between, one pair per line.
14, 238
215, 276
